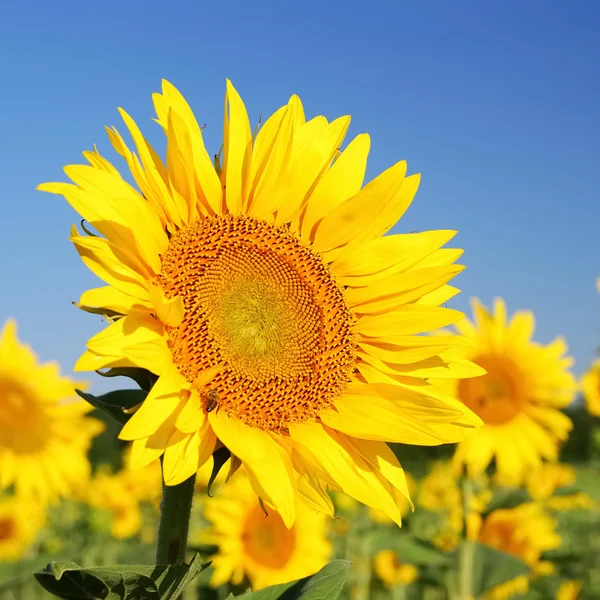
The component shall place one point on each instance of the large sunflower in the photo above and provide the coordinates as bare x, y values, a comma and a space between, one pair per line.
520, 397
259, 546
44, 433
261, 291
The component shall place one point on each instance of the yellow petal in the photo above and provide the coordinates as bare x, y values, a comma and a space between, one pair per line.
406, 320
315, 145
136, 327
380, 456
167, 394
181, 457
402, 417
206, 176
350, 472
266, 180
266, 462
90, 361
192, 417
237, 150
156, 175
401, 289
383, 257
99, 256
439, 296
112, 299
169, 310
342, 181
370, 213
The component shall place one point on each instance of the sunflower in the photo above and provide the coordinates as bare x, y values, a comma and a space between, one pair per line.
526, 532
262, 292
20, 522
44, 433
392, 571
590, 384
543, 481
568, 590
257, 544
520, 397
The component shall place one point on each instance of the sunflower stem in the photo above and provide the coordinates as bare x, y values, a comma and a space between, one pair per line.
176, 507
468, 547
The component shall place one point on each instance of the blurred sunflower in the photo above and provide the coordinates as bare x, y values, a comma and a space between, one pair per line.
392, 571
263, 294
525, 531
520, 397
543, 481
20, 522
260, 546
590, 384
568, 590
44, 432
108, 492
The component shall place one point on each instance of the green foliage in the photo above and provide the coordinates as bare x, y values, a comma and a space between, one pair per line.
69, 581
491, 567
327, 584
115, 403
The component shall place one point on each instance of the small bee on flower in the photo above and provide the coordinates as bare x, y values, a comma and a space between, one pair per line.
212, 400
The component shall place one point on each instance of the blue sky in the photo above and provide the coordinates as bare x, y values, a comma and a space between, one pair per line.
495, 103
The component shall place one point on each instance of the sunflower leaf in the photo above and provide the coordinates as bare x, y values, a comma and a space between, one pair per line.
115, 404
69, 581
493, 567
327, 584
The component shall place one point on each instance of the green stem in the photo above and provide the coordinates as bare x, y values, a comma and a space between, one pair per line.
174, 524
468, 547
362, 590
399, 592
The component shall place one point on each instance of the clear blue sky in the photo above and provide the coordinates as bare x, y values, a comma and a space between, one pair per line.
497, 104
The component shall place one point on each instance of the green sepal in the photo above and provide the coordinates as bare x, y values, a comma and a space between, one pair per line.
105, 312
220, 457
115, 403
145, 379
69, 581
327, 584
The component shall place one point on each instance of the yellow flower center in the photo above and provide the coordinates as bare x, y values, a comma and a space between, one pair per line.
267, 540
7, 529
21, 420
264, 309
498, 396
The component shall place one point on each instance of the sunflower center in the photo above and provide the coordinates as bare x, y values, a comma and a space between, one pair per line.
498, 396
264, 313
21, 421
7, 529
267, 540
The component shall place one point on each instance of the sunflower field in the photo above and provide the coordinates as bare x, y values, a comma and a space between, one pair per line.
295, 411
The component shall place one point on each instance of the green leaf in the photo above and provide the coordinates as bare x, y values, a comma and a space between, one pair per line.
114, 403
327, 584
408, 548
492, 567
507, 498
142, 377
69, 581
